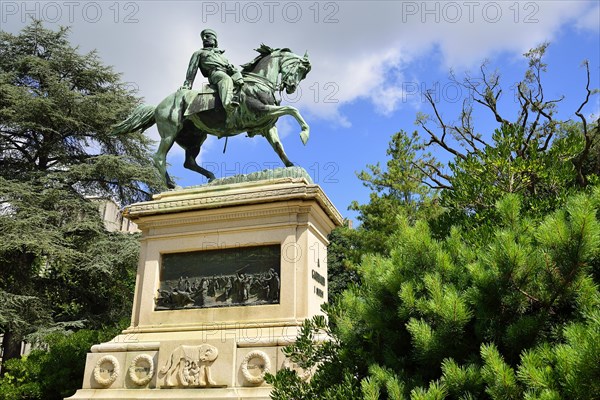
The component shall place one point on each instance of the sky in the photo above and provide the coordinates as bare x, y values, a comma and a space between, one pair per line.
371, 63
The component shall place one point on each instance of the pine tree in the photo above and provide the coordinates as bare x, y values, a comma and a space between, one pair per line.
515, 317
60, 267
493, 295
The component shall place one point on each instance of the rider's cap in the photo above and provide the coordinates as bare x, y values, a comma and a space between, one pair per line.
208, 31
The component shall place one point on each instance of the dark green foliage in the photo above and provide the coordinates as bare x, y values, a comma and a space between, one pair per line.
340, 262
55, 373
57, 109
309, 352
509, 165
60, 268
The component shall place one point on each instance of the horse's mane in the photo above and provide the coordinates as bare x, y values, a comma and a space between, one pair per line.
263, 51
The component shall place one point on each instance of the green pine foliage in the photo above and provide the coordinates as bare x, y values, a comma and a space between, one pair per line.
396, 193
477, 283
516, 317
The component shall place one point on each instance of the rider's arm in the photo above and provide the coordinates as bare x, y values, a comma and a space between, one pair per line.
192, 70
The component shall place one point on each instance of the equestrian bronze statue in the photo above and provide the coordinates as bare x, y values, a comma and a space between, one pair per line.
187, 116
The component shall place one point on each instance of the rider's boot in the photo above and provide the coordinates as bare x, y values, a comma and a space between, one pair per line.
235, 100
230, 107
231, 103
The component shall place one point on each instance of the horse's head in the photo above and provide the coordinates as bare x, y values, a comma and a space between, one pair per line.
271, 62
293, 69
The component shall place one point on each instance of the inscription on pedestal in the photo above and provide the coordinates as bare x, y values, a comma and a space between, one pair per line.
321, 280
220, 278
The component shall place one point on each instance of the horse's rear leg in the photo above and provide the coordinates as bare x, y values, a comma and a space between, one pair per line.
160, 157
273, 138
191, 152
168, 116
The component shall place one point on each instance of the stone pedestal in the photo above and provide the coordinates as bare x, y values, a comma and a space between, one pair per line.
227, 274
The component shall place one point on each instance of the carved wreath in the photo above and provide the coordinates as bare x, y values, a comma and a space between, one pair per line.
134, 364
114, 374
266, 366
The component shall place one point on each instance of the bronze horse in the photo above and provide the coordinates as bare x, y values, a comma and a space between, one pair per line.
180, 120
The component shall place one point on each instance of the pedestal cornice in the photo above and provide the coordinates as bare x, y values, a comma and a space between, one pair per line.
237, 194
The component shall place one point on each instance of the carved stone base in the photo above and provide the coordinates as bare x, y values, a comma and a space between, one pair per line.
208, 320
175, 394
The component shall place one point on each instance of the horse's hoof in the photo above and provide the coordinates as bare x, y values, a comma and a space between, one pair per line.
304, 135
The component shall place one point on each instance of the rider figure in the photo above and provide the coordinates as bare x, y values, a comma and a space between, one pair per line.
219, 71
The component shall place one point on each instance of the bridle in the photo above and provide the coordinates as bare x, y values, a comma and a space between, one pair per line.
286, 72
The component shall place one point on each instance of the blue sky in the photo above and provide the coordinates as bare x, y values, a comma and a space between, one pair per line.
370, 61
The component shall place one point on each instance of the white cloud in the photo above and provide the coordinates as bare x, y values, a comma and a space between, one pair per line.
353, 44
590, 20
499, 27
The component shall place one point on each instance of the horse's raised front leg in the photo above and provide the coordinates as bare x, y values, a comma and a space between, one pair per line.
279, 111
273, 138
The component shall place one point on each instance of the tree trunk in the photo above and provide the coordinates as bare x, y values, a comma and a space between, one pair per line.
11, 348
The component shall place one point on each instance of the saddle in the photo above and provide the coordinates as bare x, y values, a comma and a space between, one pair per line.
200, 100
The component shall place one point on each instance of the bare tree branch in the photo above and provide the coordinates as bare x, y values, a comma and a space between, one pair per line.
434, 138
581, 179
438, 183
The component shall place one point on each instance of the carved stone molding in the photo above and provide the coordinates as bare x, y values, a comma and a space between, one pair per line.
141, 362
112, 347
209, 197
232, 215
107, 370
255, 361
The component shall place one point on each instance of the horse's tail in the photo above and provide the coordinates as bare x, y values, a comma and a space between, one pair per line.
140, 119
